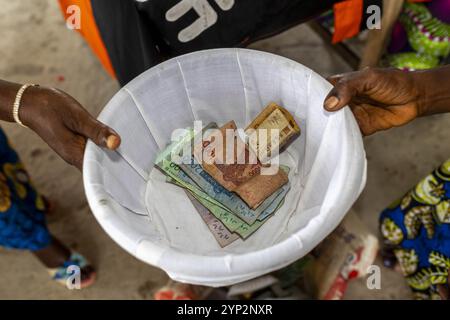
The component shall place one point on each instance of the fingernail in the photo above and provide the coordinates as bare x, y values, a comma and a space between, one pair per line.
112, 142
331, 103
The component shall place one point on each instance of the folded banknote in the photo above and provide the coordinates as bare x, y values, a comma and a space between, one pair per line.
241, 172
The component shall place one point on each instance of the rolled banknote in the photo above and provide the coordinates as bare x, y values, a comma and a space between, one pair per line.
271, 132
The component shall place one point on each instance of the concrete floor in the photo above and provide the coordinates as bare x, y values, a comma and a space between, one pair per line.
36, 47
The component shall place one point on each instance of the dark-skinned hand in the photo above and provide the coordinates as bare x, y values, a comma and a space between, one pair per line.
64, 124
379, 98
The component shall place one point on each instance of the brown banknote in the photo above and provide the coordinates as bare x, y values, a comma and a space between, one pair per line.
260, 187
238, 171
229, 172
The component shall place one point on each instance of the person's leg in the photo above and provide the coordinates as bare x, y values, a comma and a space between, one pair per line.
53, 255
22, 220
57, 254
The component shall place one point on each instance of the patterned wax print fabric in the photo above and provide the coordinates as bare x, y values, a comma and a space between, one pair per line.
22, 209
421, 38
417, 228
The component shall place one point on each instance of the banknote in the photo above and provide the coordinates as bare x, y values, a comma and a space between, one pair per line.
256, 190
219, 153
274, 205
217, 194
229, 220
279, 201
239, 174
243, 229
172, 170
229, 199
223, 236
280, 129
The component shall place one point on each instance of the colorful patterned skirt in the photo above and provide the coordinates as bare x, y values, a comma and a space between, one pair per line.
417, 229
22, 209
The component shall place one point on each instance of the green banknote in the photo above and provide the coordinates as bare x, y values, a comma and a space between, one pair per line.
229, 220
223, 236
216, 191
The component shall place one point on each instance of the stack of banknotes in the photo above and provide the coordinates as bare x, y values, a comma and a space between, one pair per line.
235, 192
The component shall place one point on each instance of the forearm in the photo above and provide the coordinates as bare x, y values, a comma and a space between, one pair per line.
33, 99
8, 92
434, 88
58, 119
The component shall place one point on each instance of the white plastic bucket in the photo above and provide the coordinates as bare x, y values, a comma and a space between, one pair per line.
155, 221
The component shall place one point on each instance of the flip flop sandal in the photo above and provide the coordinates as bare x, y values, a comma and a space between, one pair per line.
61, 275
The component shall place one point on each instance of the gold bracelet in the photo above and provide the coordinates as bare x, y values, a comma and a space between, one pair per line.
16, 105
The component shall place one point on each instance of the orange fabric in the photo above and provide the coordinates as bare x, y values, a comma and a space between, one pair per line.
347, 19
90, 31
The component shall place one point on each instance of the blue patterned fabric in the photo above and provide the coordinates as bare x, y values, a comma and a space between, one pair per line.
417, 228
22, 209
